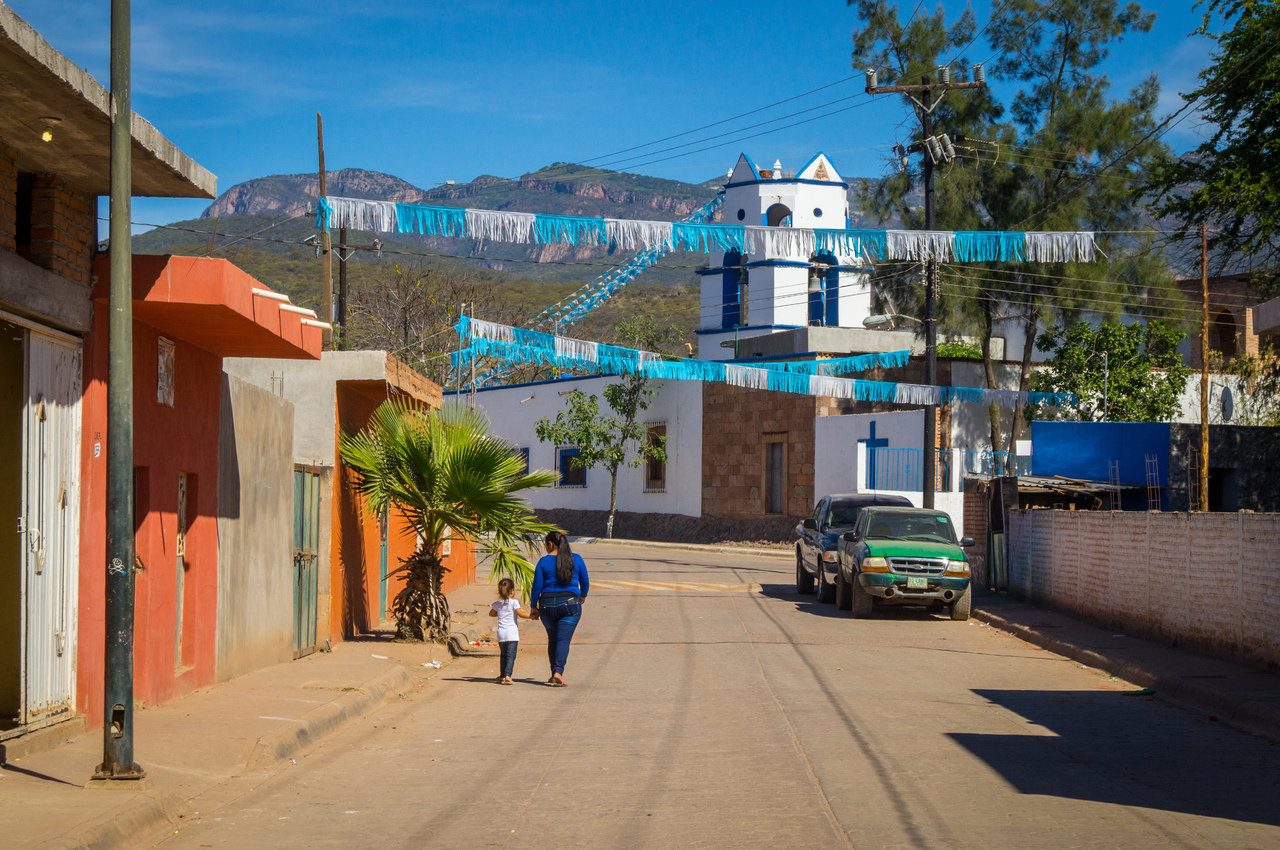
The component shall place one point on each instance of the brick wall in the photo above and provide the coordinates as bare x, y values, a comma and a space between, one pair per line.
1202, 581
976, 505
736, 424
63, 227
8, 197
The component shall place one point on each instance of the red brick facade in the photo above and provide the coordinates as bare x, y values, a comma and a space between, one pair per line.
63, 228
1231, 330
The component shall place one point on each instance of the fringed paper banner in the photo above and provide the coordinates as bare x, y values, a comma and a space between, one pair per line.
842, 365
917, 394
985, 246
707, 238
1060, 247
493, 226
636, 235
797, 243
578, 349
865, 245
920, 244
378, 216
768, 242
570, 230
431, 221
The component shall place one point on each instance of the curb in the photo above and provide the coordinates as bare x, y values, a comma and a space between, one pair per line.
460, 639
1247, 715
135, 823
693, 547
283, 744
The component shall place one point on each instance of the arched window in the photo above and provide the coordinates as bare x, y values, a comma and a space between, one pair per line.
1223, 333
778, 215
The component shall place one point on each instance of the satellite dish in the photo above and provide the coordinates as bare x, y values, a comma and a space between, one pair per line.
1228, 404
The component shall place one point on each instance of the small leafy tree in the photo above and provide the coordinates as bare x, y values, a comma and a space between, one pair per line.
619, 440
1120, 373
452, 481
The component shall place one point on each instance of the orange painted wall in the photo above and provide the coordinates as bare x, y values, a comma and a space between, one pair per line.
356, 545
167, 440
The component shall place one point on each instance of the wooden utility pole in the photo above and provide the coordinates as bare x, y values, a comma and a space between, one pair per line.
343, 254
1204, 369
326, 247
926, 90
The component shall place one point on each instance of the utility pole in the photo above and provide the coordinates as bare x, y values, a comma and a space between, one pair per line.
326, 248
933, 150
343, 254
117, 731
1204, 369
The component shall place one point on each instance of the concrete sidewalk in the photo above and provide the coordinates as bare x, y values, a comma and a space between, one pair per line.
1244, 697
201, 747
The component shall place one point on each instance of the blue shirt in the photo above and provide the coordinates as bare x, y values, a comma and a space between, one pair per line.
545, 580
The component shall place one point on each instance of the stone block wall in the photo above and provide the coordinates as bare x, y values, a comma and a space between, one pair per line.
1200, 581
63, 228
736, 424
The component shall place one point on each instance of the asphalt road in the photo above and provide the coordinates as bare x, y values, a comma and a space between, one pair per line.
709, 705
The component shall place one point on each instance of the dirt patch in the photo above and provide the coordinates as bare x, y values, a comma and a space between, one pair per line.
770, 532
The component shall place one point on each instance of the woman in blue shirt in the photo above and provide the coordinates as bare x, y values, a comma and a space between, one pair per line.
560, 584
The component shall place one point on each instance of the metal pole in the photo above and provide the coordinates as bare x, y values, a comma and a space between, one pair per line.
326, 247
117, 737
1204, 369
930, 321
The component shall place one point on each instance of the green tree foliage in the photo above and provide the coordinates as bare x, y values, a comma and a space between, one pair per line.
450, 480
1120, 373
1062, 156
1232, 180
618, 440
960, 349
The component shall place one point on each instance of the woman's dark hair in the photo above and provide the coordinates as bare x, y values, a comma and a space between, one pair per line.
564, 556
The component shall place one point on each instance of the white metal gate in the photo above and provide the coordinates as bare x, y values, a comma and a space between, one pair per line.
51, 524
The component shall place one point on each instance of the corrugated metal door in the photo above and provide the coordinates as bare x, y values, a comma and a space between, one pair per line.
51, 520
306, 557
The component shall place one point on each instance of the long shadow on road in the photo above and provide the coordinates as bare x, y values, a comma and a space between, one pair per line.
1130, 750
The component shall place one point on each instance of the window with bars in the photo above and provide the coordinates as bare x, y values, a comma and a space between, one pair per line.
655, 470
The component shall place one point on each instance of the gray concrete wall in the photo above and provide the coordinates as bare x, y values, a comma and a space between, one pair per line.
35, 293
1201, 581
255, 529
311, 386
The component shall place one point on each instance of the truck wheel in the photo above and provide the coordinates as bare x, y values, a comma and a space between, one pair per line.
844, 598
961, 605
804, 581
826, 590
860, 601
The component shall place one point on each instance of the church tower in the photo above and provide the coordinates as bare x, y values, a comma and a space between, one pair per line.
781, 283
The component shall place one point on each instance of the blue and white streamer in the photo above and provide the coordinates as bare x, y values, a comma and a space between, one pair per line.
769, 242
803, 377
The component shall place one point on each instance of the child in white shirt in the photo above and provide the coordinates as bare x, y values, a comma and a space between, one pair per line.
506, 609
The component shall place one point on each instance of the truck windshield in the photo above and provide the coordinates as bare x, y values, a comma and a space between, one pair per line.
844, 513
931, 527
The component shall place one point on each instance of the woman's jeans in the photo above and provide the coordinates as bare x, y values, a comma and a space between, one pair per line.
508, 650
559, 615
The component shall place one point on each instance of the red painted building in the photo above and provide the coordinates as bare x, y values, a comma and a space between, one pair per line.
189, 313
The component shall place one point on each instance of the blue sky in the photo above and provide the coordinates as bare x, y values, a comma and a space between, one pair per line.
432, 92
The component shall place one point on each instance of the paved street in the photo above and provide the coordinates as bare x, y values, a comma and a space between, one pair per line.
711, 706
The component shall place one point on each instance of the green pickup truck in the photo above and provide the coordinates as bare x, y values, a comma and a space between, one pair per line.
903, 556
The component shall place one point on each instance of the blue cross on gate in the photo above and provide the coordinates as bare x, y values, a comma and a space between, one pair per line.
872, 444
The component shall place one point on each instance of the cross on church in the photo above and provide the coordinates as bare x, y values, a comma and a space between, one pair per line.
872, 444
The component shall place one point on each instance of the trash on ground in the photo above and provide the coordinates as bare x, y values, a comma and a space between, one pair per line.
1145, 692
382, 657
435, 664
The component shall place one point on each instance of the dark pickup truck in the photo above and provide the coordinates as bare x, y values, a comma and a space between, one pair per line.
819, 535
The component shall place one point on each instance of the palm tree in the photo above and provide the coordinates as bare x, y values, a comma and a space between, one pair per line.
451, 481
